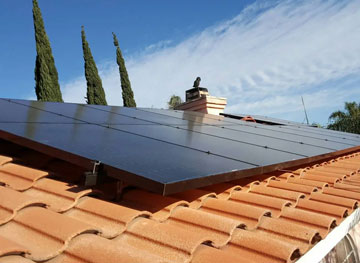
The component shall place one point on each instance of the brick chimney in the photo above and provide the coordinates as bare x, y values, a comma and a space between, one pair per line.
199, 99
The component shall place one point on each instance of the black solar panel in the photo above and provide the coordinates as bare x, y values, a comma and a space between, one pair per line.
162, 150
300, 127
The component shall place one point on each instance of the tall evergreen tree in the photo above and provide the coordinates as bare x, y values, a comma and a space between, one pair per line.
95, 92
127, 93
47, 86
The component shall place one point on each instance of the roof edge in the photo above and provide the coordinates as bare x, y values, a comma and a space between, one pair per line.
321, 249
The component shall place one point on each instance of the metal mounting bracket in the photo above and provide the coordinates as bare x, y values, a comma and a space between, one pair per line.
120, 186
91, 176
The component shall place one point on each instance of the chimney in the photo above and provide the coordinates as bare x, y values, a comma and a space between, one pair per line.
199, 99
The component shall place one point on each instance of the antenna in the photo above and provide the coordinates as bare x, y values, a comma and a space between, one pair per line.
306, 117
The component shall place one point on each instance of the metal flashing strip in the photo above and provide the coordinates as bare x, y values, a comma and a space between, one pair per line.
321, 249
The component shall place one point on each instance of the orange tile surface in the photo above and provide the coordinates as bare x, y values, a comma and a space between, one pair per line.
46, 216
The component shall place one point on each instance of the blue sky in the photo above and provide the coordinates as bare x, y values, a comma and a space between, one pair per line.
262, 55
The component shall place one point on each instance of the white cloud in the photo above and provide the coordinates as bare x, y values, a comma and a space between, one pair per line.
263, 60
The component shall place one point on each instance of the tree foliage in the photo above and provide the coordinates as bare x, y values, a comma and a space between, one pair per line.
95, 92
127, 93
174, 101
47, 86
347, 120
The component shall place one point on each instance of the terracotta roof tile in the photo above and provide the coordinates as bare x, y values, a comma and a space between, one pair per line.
331, 169
261, 248
349, 188
325, 173
324, 179
247, 214
217, 228
276, 193
299, 235
342, 193
4, 159
160, 206
205, 254
348, 165
109, 218
301, 181
335, 200
195, 197
164, 240
274, 217
20, 177
95, 249
322, 223
59, 196
223, 190
12, 201
292, 187
9, 247
275, 205
324, 208
43, 233
15, 259
351, 182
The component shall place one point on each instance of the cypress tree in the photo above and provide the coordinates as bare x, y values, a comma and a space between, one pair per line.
47, 86
95, 92
127, 93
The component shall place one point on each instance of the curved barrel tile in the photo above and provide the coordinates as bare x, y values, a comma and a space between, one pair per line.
277, 193
59, 196
301, 236
275, 205
261, 248
9, 247
334, 200
328, 173
337, 170
110, 218
12, 201
169, 242
292, 187
215, 227
247, 214
324, 179
5, 159
195, 197
347, 187
322, 223
45, 234
223, 190
15, 259
160, 206
300, 181
95, 249
20, 177
206, 254
323, 208
341, 193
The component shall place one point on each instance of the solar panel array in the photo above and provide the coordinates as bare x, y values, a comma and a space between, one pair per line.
164, 151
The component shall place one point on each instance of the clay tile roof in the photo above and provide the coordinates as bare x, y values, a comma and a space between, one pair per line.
47, 216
